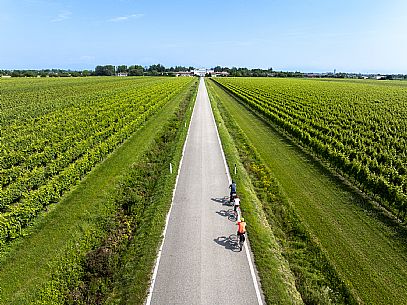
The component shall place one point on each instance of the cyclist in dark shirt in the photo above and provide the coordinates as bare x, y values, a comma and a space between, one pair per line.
232, 191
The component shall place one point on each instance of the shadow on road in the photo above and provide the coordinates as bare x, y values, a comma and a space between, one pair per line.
230, 243
223, 200
229, 214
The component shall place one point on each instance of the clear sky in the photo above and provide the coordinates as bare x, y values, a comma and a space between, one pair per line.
304, 35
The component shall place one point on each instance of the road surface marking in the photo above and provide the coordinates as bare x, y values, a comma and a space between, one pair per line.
256, 285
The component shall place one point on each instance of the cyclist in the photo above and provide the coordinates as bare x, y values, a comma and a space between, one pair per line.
236, 203
241, 231
232, 191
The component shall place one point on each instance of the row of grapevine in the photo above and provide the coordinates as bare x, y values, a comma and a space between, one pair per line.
67, 128
359, 127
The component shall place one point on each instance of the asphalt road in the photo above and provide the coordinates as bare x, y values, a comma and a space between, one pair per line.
200, 262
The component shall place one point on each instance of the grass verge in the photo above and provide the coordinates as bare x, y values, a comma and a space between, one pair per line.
42, 267
368, 254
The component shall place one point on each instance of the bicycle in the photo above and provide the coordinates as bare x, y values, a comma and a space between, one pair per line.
232, 215
241, 241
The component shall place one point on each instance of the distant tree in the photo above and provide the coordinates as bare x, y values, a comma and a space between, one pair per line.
110, 70
107, 70
99, 70
29, 73
15, 73
157, 68
64, 74
235, 72
121, 69
180, 69
75, 73
136, 70
257, 72
5, 72
85, 73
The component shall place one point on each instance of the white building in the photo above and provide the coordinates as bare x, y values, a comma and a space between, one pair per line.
202, 71
224, 73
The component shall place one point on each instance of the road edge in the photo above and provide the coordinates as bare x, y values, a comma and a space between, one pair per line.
157, 263
252, 266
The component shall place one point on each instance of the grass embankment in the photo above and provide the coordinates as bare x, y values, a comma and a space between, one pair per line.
46, 266
368, 253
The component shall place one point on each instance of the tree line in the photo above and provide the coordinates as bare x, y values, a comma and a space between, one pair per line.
45, 73
105, 70
160, 70
137, 70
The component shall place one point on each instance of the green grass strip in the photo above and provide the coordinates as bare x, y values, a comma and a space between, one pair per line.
369, 254
61, 237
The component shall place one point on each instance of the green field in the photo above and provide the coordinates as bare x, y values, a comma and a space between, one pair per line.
51, 261
366, 250
54, 131
85, 186
358, 126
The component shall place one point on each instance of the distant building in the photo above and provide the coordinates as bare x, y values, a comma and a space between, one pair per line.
184, 73
223, 73
312, 75
200, 72
211, 72
122, 74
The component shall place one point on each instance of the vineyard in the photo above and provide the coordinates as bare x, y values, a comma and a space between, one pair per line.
338, 245
54, 131
359, 127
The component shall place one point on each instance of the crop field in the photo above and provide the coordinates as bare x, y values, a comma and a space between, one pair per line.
359, 127
366, 249
111, 214
54, 131
85, 186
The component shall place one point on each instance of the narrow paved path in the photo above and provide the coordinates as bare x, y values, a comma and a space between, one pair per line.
199, 262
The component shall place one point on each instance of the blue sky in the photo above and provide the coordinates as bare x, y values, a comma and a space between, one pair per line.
303, 35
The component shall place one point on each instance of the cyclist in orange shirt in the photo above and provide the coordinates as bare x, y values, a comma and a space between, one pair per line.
241, 231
